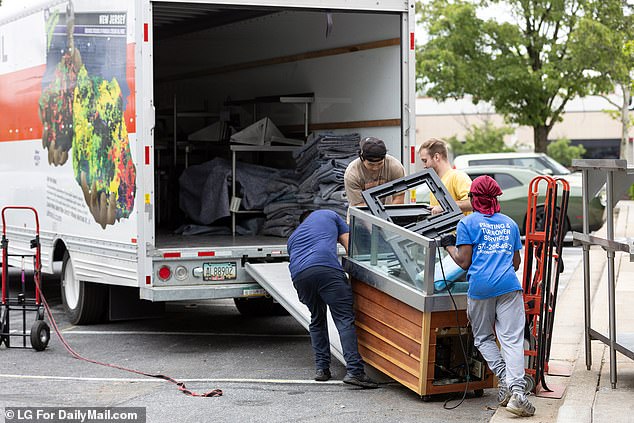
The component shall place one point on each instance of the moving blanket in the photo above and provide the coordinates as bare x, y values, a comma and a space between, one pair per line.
205, 189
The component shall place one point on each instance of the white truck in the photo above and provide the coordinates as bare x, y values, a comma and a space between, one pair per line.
97, 98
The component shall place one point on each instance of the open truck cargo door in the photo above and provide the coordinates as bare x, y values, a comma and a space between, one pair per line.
276, 279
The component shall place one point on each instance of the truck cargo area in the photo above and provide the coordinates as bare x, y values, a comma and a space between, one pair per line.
220, 69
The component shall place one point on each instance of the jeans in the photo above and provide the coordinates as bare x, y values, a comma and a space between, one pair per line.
317, 287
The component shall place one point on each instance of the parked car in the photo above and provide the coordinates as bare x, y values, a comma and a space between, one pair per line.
514, 182
539, 162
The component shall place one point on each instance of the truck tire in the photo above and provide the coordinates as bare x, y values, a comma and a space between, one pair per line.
259, 306
540, 219
84, 302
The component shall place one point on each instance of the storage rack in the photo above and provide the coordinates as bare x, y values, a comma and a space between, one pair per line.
617, 178
235, 201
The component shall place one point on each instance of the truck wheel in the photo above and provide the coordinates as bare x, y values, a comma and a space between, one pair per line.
259, 306
40, 335
540, 221
84, 302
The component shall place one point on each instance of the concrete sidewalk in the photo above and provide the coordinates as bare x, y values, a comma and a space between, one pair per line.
588, 394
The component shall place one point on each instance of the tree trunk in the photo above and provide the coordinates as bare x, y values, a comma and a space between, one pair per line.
625, 121
540, 138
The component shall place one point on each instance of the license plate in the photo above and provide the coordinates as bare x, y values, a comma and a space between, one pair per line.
219, 271
253, 292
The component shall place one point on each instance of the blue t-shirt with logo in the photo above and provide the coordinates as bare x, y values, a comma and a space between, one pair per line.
314, 242
494, 239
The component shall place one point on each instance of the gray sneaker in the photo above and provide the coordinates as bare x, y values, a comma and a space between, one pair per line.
504, 395
520, 406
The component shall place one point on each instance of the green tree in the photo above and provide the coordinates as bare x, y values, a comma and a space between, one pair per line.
604, 45
525, 68
563, 152
481, 139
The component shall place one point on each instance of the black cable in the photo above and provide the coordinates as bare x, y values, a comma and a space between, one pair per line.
464, 352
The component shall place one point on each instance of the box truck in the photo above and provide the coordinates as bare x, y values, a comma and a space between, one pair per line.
104, 105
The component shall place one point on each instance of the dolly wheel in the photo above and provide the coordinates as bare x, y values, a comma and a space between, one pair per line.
479, 393
40, 335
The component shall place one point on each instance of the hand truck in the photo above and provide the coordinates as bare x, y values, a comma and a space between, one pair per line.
545, 230
40, 332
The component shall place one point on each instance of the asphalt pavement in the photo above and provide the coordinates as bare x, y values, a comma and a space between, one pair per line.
264, 365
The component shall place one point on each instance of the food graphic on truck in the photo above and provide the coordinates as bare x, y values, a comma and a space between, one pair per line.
82, 109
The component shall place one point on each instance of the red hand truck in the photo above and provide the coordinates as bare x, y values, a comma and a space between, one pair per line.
546, 226
39, 332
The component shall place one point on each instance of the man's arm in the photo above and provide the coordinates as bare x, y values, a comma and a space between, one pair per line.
465, 205
461, 254
462, 186
343, 240
353, 187
517, 260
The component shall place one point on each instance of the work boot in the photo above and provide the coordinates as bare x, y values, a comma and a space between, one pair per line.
520, 406
322, 375
361, 380
504, 394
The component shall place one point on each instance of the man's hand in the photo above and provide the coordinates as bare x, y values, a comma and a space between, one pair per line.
447, 239
436, 210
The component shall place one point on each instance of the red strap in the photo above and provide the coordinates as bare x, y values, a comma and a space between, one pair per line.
181, 385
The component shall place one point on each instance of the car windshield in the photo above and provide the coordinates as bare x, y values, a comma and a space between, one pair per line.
557, 168
542, 164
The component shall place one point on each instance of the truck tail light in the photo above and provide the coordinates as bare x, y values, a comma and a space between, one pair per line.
165, 273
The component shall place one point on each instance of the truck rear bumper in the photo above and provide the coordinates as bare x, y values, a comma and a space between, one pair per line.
200, 292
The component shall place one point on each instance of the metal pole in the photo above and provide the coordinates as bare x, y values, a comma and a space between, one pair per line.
586, 270
175, 136
233, 192
611, 282
306, 120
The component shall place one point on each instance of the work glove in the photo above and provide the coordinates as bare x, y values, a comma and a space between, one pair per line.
447, 240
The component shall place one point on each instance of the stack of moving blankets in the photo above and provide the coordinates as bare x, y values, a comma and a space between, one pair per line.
282, 194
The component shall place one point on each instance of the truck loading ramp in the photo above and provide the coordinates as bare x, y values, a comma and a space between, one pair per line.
276, 279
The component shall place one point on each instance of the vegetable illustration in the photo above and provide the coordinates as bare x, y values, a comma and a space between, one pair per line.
101, 152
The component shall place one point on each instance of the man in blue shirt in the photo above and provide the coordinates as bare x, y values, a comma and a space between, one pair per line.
320, 281
487, 246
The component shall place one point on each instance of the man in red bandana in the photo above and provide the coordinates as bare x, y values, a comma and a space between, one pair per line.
487, 246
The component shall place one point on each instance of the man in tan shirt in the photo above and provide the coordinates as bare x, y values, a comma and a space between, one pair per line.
434, 154
373, 167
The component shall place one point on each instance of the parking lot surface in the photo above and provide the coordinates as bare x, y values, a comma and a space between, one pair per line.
264, 366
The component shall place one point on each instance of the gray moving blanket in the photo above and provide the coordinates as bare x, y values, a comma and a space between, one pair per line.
205, 189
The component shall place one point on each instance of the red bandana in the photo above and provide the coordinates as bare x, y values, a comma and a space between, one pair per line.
484, 193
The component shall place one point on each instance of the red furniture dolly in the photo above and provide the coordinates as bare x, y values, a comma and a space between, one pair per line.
40, 332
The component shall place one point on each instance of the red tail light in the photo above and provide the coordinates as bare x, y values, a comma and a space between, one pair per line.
165, 273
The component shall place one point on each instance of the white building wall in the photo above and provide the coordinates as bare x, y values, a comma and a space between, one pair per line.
584, 119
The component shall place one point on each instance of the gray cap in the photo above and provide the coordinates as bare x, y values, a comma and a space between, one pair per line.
372, 149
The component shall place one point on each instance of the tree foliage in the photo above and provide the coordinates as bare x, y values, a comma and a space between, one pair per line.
604, 45
563, 152
525, 68
481, 139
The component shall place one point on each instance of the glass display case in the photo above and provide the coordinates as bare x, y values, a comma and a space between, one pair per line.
410, 296
403, 263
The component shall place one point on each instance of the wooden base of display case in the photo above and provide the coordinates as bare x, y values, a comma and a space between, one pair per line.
421, 350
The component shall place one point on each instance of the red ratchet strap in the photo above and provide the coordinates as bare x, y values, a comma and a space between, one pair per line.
181, 385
